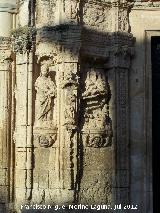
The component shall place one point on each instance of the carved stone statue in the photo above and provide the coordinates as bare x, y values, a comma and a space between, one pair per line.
69, 112
46, 92
94, 86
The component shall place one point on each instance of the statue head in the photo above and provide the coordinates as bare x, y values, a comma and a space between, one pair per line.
44, 68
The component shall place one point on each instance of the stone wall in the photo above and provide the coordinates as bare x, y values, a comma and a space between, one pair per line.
72, 117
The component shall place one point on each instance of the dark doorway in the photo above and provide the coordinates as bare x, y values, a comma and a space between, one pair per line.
155, 56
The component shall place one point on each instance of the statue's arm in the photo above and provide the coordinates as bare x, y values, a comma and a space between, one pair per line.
37, 83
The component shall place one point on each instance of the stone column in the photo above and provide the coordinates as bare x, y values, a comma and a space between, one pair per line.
7, 11
119, 68
5, 102
69, 126
22, 46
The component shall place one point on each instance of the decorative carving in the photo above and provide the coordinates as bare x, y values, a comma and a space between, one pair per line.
72, 117
71, 10
99, 139
69, 78
45, 130
70, 110
22, 39
97, 123
95, 85
96, 15
46, 140
146, 4
46, 93
123, 20
46, 11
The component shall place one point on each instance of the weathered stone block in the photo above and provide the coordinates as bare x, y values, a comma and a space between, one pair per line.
3, 177
43, 180
97, 159
3, 194
53, 179
21, 158
20, 178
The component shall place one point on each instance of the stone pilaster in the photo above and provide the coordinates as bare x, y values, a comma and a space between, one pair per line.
62, 62
7, 11
23, 49
120, 15
119, 65
5, 119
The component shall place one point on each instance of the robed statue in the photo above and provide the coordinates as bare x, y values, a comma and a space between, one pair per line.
45, 98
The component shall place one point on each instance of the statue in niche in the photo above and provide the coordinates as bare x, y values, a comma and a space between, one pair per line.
45, 97
97, 122
95, 85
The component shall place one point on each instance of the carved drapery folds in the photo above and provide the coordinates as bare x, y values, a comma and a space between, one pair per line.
45, 104
46, 93
70, 85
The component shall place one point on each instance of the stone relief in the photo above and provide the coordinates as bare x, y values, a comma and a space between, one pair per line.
70, 84
100, 134
58, 103
123, 20
97, 123
48, 14
94, 85
46, 92
45, 12
96, 15
45, 97
70, 110
22, 39
46, 140
69, 78
146, 4
71, 10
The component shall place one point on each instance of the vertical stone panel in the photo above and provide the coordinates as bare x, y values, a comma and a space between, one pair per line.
5, 101
95, 165
23, 119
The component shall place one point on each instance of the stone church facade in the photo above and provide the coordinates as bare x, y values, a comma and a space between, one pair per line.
75, 103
